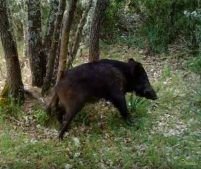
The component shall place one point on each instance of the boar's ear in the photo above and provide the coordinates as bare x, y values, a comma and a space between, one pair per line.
135, 67
132, 64
131, 60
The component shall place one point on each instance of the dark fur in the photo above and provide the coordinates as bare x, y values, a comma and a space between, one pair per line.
107, 79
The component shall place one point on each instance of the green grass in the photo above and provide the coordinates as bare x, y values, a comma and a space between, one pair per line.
195, 64
165, 133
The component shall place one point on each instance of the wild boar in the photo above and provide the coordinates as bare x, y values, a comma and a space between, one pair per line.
103, 79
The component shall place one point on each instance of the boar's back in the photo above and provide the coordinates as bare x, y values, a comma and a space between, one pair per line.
95, 79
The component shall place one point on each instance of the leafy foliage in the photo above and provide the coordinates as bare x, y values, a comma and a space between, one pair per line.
156, 23
9, 108
111, 20
165, 20
195, 64
152, 24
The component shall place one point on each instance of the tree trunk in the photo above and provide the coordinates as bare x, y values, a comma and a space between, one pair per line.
54, 47
78, 35
25, 28
25, 37
67, 22
50, 25
35, 50
14, 79
95, 30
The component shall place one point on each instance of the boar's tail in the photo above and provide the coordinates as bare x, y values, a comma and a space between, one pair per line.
53, 103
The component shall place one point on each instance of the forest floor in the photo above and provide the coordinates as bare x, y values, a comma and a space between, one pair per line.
166, 133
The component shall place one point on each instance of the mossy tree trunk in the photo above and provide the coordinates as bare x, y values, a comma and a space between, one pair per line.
94, 50
35, 50
14, 83
50, 25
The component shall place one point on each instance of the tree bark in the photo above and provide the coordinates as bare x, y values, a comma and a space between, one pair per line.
94, 50
14, 79
50, 25
78, 35
54, 47
25, 32
35, 50
67, 22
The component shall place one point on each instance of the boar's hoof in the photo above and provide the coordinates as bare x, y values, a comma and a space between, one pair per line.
61, 136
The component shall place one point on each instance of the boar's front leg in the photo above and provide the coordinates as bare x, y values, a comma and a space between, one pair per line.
118, 100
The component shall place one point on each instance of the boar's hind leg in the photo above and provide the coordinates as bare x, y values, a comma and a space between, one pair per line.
119, 101
65, 123
59, 113
67, 118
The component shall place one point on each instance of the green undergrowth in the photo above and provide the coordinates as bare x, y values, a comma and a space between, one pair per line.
165, 133
195, 64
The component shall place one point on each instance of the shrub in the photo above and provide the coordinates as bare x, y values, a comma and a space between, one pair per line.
195, 64
158, 23
165, 20
9, 108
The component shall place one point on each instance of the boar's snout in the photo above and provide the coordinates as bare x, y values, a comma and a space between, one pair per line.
149, 93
